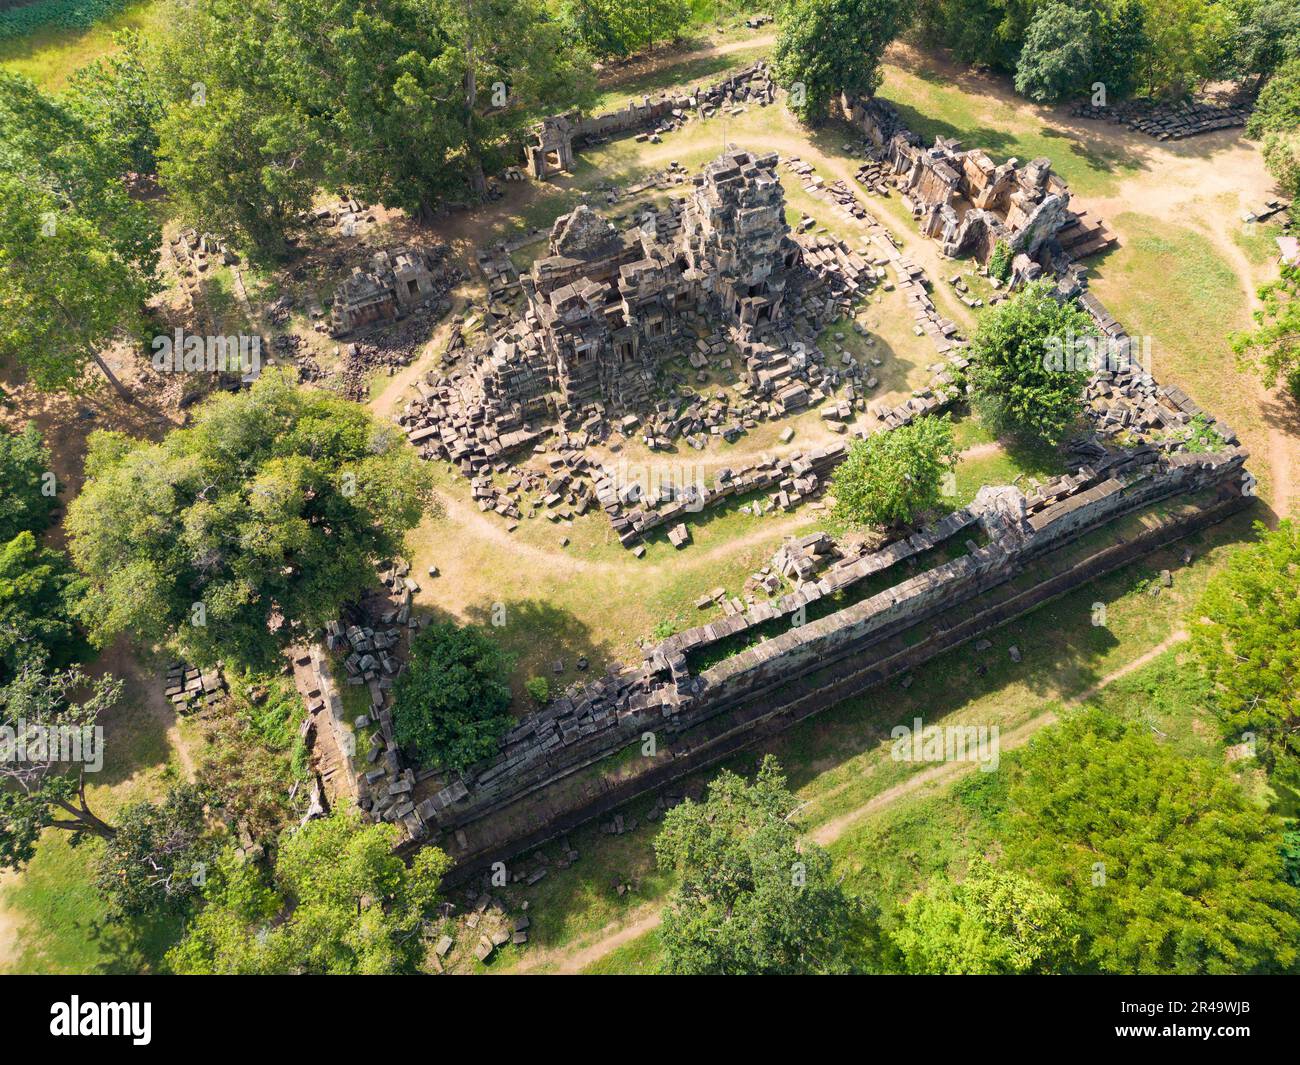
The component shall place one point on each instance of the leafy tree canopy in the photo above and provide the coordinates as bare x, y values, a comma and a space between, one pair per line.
1275, 344
1057, 59
233, 537
452, 703
1025, 364
43, 789
751, 899
1246, 634
891, 477
159, 857
614, 28
994, 921
1166, 864
832, 46
40, 598
339, 903
25, 466
77, 254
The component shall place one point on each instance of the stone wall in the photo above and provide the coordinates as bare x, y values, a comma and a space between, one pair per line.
544, 756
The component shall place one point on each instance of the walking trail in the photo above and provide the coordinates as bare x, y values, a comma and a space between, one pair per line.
575, 961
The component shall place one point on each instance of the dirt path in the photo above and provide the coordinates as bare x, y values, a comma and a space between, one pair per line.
10, 924
574, 962
945, 771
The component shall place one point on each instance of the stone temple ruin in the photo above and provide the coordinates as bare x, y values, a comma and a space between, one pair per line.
601, 316
604, 307
961, 199
398, 280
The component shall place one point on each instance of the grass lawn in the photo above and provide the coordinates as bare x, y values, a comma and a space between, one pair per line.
933, 104
51, 55
62, 922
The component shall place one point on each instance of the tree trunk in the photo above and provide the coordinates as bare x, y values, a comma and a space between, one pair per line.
118, 387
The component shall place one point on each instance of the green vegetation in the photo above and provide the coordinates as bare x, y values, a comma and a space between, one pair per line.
1028, 366
353, 96
609, 28
40, 791
1246, 633
749, 899
235, 560
1162, 47
158, 857
539, 690
77, 253
993, 921
890, 478
832, 46
58, 14
452, 704
40, 596
338, 902
1167, 865
1274, 346
26, 483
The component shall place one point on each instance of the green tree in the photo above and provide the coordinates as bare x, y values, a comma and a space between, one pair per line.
235, 537
157, 861
1058, 57
1167, 865
77, 254
25, 472
825, 47
122, 100
1025, 364
340, 902
1274, 346
751, 898
452, 703
40, 790
993, 921
1265, 34
40, 598
1246, 635
1122, 42
1277, 110
891, 477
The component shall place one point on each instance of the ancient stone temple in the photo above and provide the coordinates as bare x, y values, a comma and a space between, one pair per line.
606, 305
398, 280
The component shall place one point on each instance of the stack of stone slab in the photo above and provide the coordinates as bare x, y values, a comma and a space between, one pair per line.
1168, 121
189, 688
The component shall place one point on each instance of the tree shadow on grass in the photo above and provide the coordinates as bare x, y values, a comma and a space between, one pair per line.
538, 635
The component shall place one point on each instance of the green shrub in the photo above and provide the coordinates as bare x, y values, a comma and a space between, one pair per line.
1000, 261
539, 689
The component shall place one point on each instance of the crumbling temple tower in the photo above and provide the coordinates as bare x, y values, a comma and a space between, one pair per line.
605, 306
735, 235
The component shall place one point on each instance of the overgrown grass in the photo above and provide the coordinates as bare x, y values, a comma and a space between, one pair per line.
50, 54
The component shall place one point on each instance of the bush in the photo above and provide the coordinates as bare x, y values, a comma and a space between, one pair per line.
539, 689
1025, 364
890, 477
452, 705
1000, 261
